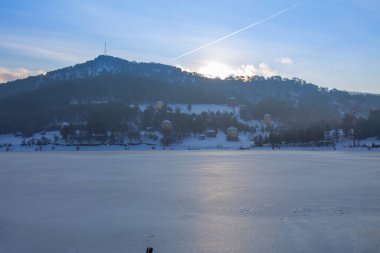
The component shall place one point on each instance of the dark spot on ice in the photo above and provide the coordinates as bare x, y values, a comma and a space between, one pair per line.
316, 211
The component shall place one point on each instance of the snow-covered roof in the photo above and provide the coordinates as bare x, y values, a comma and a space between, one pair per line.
166, 122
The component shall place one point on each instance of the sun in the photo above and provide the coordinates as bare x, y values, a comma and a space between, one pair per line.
215, 69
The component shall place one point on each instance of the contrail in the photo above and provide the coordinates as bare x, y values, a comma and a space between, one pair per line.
240, 30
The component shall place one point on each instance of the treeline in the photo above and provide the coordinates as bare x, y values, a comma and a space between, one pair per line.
306, 113
354, 127
111, 123
359, 127
314, 134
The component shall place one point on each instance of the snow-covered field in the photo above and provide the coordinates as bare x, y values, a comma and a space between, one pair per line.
190, 201
189, 143
198, 108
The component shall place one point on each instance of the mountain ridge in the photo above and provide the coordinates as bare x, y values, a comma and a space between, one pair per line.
106, 64
72, 94
101, 65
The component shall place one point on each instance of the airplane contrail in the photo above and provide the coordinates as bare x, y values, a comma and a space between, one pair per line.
240, 30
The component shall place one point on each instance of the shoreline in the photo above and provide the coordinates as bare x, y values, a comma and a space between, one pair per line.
144, 147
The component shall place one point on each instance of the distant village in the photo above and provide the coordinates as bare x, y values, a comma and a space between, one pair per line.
163, 126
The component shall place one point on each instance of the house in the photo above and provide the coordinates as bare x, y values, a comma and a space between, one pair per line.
268, 119
150, 129
159, 105
211, 133
64, 125
232, 134
166, 126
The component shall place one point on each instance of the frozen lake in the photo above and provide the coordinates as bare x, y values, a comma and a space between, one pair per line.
190, 201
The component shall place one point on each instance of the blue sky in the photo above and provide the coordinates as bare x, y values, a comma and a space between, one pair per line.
334, 43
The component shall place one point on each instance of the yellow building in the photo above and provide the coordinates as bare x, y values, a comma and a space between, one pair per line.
268, 119
232, 134
166, 126
159, 105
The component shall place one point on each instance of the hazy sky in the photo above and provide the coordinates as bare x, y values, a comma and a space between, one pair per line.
332, 43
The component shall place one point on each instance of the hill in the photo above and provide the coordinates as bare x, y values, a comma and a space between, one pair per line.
109, 85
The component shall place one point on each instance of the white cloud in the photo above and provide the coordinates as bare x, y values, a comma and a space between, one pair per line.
285, 60
216, 69
265, 70
246, 70
13, 74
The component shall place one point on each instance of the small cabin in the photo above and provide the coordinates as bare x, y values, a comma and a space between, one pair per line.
268, 119
150, 129
166, 126
64, 125
18, 134
232, 101
159, 105
211, 133
232, 134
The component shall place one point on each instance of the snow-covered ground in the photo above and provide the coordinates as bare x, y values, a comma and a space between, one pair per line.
17, 140
198, 108
189, 143
190, 201
192, 142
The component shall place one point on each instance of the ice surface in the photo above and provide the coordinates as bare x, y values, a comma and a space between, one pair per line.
190, 201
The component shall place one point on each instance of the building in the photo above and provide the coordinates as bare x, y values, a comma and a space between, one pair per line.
166, 126
232, 134
232, 101
211, 133
64, 125
268, 119
159, 105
